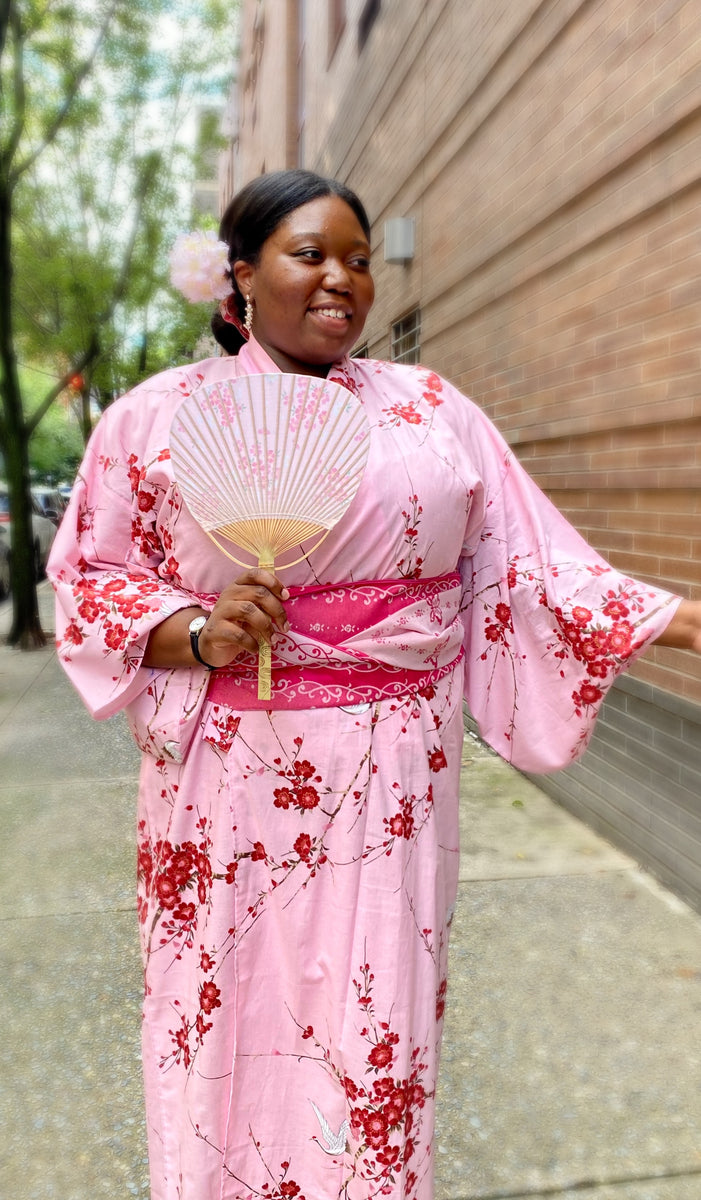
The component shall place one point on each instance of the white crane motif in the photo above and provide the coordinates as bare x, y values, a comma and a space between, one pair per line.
335, 1142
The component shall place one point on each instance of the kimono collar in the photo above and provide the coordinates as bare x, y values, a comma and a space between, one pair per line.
256, 361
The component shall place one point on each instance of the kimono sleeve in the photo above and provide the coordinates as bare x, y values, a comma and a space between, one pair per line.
548, 623
114, 582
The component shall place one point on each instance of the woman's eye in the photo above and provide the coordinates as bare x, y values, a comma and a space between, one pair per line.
310, 253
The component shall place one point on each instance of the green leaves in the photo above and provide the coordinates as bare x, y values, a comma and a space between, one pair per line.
97, 95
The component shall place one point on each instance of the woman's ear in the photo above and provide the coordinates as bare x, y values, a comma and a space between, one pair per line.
242, 272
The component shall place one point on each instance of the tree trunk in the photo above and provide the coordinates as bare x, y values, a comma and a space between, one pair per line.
26, 631
85, 414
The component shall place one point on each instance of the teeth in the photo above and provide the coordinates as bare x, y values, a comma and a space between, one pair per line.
331, 312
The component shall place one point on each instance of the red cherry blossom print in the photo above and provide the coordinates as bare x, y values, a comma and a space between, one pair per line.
209, 997
167, 891
115, 637
146, 501
375, 1128
502, 613
616, 609
381, 1055
303, 846
308, 797
590, 693
73, 634
90, 610
437, 760
620, 638
283, 797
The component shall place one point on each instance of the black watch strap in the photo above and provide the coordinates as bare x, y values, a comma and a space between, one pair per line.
195, 643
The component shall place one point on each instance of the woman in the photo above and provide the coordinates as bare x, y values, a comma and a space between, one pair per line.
298, 861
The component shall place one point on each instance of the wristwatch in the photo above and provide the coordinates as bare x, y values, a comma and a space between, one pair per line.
195, 629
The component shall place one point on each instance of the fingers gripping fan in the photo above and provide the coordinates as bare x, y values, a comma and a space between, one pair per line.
267, 465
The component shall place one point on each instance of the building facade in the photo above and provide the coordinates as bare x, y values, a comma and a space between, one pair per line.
547, 155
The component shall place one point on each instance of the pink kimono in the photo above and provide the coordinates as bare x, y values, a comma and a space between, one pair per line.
297, 865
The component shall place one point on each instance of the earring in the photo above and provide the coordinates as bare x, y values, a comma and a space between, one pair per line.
248, 320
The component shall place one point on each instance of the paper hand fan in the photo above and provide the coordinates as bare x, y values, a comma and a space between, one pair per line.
268, 462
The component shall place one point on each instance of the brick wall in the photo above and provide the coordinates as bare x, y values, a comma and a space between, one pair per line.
267, 88
640, 781
550, 153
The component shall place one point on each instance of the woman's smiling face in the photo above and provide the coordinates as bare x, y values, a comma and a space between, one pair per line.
311, 287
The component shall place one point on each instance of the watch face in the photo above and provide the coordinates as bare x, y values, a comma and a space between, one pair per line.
197, 625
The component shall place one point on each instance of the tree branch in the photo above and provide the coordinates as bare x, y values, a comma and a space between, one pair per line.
14, 137
85, 359
62, 113
5, 18
149, 173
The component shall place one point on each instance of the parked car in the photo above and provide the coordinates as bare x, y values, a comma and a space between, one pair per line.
51, 503
43, 530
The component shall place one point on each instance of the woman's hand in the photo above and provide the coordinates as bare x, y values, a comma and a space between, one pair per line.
247, 613
684, 630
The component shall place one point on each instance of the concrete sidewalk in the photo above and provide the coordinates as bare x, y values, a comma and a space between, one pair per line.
572, 1053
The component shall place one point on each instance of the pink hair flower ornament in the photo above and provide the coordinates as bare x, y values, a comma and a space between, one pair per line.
199, 267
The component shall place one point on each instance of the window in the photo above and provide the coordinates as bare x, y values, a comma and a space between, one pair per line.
406, 338
367, 19
361, 352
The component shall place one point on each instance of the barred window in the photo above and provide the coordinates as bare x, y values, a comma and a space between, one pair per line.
406, 338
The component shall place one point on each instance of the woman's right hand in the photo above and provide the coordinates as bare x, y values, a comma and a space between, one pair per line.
247, 613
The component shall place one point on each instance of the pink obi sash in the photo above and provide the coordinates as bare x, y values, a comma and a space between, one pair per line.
354, 643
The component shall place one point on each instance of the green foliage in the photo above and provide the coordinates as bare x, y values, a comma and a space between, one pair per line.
56, 447
98, 206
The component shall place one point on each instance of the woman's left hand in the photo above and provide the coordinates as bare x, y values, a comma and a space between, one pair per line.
684, 630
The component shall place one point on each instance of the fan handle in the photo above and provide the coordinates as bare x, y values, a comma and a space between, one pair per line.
265, 653
264, 649
267, 561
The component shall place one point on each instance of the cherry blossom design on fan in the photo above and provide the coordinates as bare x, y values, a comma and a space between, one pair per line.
267, 463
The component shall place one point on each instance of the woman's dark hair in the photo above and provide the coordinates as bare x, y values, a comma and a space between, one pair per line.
255, 213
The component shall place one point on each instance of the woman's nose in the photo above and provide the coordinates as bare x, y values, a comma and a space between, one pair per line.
336, 276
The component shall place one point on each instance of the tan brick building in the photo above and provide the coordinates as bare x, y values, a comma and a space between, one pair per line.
549, 154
